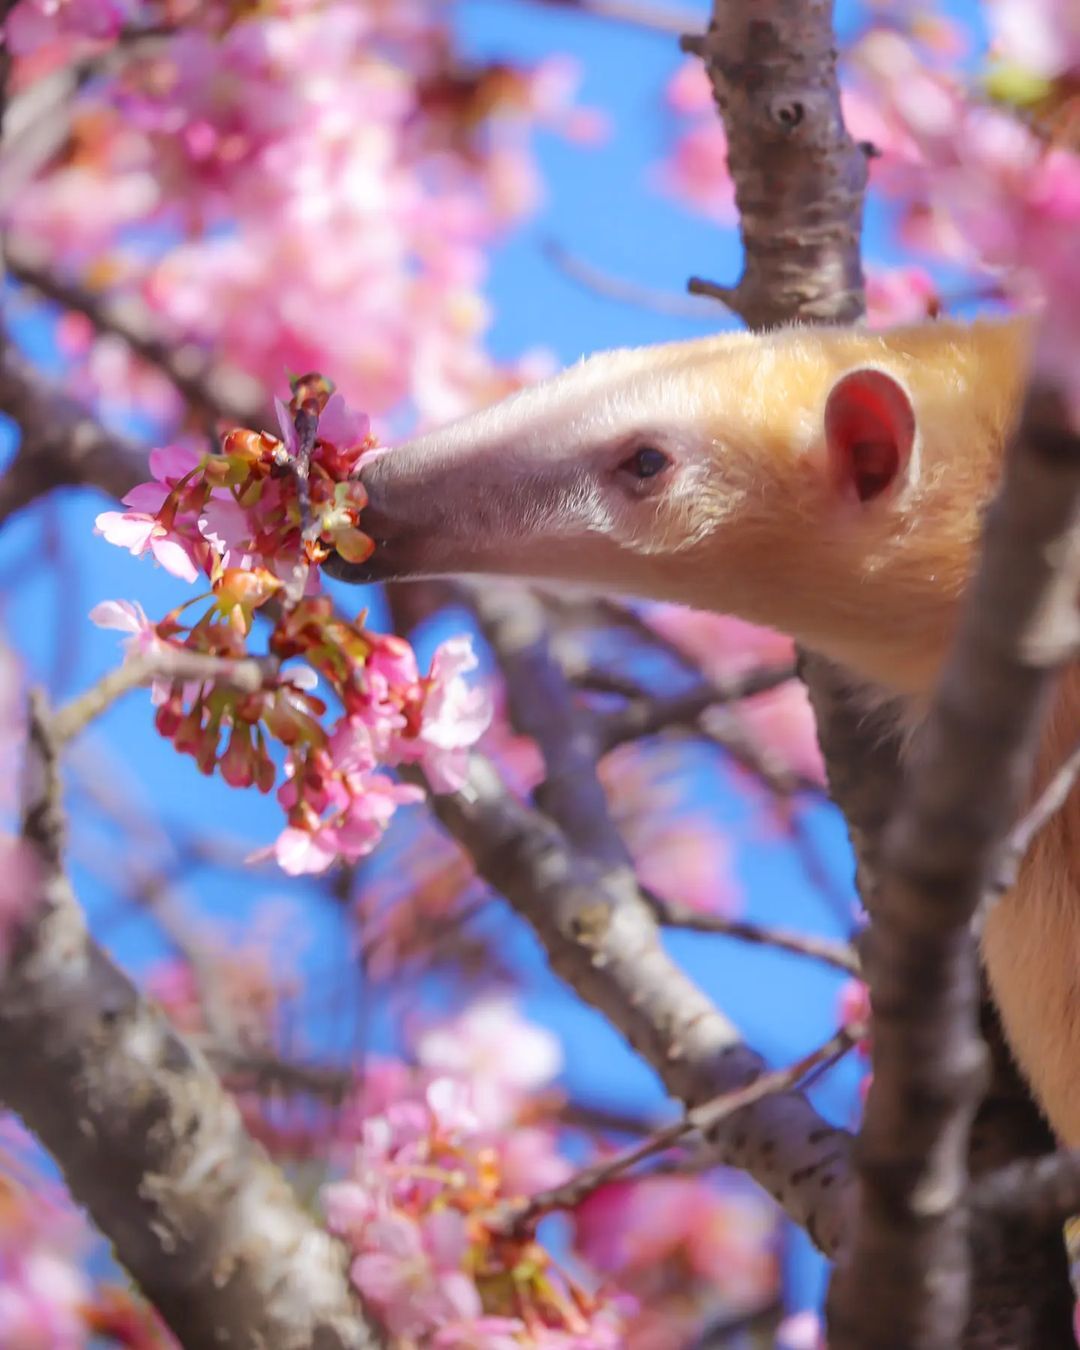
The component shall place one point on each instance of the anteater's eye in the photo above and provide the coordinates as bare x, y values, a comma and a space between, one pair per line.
646, 462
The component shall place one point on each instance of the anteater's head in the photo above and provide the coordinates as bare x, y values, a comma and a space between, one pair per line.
826, 482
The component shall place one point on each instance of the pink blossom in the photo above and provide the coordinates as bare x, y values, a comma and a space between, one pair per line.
34, 23
801, 1331
985, 190
530, 1159
899, 295
300, 851
689, 91
483, 1333
451, 1106
455, 716
128, 616
412, 1273
491, 1040
42, 1289
697, 172
639, 1230
1041, 36
682, 858
349, 1209
344, 428
227, 528
171, 463
138, 532
369, 813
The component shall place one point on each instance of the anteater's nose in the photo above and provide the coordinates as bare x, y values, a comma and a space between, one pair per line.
376, 522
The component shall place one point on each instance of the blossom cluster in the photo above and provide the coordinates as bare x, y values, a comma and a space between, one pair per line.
449, 1146
311, 185
444, 1152
255, 520
983, 185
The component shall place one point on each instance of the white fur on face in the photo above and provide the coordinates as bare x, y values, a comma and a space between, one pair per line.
543, 461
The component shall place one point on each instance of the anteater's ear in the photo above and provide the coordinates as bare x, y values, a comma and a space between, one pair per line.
869, 433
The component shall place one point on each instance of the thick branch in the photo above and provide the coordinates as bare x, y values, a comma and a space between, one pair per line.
601, 938
204, 384
799, 177
1034, 1195
542, 706
148, 1140
775, 81
970, 770
61, 445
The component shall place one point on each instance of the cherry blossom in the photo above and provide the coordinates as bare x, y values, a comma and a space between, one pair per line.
502, 1055
681, 1246
801, 1331
34, 23
420, 1208
238, 517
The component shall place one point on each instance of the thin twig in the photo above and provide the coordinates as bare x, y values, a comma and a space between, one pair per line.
524, 1214
609, 287
1050, 801
837, 954
248, 675
658, 18
648, 716
202, 382
602, 939
267, 1069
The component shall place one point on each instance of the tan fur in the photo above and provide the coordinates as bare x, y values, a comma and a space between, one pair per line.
756, 530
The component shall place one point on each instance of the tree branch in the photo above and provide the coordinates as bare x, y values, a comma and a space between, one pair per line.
799, 180
838, 954
522, 1214
602, 940
146, 1137
970, 770
773, 73
247, 675
205, 385
646, 717
623, 292
541, 705
61, 445
639, 13
1034, 1195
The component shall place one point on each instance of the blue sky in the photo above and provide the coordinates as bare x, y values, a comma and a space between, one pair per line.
600, 206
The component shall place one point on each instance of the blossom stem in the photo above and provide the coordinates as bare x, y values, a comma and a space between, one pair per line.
248, 675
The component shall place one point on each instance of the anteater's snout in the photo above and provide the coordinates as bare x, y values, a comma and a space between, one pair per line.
395, 537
